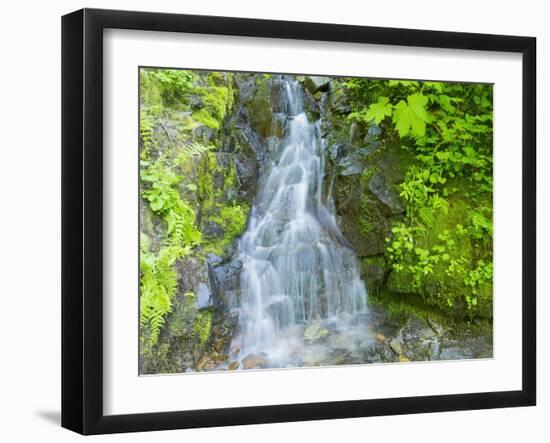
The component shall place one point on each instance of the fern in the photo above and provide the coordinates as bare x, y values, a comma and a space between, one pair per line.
146, 125
191, 150
158, 285
159, 280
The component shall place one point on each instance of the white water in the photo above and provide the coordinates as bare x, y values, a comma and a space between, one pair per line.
298, 268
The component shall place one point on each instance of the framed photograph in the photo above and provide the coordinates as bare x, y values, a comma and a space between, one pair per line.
269, 221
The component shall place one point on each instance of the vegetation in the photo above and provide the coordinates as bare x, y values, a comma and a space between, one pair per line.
442, 247
429, 249
177, 194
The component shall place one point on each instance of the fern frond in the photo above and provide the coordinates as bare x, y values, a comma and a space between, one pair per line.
190, 151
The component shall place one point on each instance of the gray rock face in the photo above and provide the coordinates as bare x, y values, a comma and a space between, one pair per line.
204, 298
416, 339
314, 83
349, 159
224, 278
374, 274
263, 107
212, 229
385, 193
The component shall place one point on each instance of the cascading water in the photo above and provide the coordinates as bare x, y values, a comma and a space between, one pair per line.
297, 266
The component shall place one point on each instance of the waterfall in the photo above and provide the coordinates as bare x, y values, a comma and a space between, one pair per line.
297, 266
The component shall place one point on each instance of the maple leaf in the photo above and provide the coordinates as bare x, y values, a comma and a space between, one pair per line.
378, 111
411, 116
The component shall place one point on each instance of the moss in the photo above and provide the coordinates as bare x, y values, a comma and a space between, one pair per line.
401, 307
445, 286
202, 326
366, 226
154, 359
204, 117
233, 221
259, 107
217, 196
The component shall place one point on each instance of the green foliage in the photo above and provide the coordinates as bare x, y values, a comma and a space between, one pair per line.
165, 87
215, 101
146, 126
158, 284
411, 117
203, 326
177, 191
233, 221
445, 239
378, 111
160, 189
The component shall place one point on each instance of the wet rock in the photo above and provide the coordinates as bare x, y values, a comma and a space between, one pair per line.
254, 361
204, 298
466, 345
380, 353
421, 342
294, 175
315, 83
374, 271
224, 278
202, 363
218, 345
379, 321
403, 359
264, 108
234, 352
351, 166
224, 329
436, 327
311, 107
246, 173
212, 229
340, 356
192, 274
348, 158
213, 259
396, 346
220, 358
385, 193
247, 140
233, 365
225, 273
315, 332
455, 353
381, 338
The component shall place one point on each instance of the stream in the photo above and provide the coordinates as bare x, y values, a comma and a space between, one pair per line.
300, 281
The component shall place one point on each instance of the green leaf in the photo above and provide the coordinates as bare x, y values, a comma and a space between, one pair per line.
157, 204
378, 111
411, 116
406, 83
445, 102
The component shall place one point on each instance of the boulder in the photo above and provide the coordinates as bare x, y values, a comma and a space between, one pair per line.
254, 361
315, 83
204, 298
224, 278
386, 193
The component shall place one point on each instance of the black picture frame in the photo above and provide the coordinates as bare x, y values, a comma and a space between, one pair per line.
82, 219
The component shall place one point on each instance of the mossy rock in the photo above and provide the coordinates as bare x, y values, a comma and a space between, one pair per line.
262, 108
374, 270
